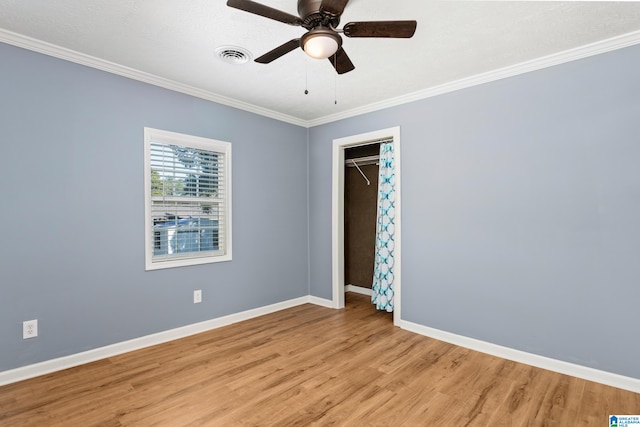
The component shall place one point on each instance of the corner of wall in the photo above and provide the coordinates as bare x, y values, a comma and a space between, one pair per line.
308, 141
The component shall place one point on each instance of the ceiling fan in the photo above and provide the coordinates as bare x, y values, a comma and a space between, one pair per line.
321, 18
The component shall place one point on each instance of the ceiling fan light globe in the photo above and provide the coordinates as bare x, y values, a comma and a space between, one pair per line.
321, 46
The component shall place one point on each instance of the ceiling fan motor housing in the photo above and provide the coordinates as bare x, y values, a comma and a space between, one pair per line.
308, 7
309, 11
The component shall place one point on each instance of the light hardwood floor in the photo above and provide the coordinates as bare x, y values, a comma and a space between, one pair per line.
310, 366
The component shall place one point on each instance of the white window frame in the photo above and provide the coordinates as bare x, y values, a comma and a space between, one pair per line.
196, 258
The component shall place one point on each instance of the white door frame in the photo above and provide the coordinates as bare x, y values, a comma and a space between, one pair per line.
337, 213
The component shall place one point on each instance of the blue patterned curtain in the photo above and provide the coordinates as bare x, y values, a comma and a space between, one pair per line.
385, 231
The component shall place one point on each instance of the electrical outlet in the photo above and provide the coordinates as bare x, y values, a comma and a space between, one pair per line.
29, 329
197, 296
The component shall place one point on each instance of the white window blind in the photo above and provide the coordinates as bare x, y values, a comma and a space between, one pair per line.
188, 189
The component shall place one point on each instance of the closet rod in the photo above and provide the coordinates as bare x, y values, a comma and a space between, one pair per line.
367, 160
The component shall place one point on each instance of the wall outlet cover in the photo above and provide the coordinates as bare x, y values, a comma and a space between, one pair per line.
29, 329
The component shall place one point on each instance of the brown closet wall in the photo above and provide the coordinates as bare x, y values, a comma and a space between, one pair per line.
360, 218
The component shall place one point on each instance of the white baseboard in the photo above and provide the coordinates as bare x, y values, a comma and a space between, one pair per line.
321, 302
358, 290
590, 374
49, 366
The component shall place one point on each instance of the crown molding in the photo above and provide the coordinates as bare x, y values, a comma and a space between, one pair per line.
603, 46
55, 51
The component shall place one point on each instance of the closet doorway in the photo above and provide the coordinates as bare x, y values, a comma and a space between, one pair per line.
342, 255
360, 209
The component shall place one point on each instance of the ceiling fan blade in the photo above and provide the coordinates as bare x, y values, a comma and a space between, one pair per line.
266, 11
333, 7
393, 29
279, 51
341, 62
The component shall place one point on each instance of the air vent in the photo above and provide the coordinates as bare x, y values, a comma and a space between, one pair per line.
233, 54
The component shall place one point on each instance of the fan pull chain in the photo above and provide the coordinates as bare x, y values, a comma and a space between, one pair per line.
306, 76
335, 81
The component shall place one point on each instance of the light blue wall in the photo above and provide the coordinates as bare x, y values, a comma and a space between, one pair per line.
520, 206
72, 215
521, 202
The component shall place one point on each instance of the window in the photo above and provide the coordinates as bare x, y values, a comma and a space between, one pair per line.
187, 200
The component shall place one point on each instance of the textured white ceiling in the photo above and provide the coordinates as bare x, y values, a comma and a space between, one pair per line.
176, 40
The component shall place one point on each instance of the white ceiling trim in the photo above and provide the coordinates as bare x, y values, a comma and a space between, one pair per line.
597, 48
49, 49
